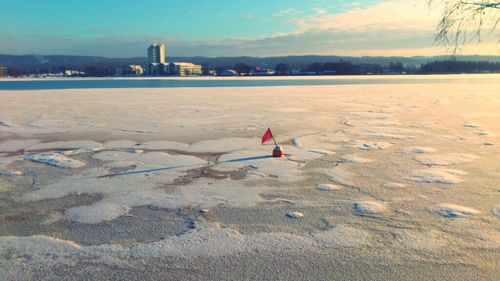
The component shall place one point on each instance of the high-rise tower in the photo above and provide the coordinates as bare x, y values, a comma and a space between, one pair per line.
156, 53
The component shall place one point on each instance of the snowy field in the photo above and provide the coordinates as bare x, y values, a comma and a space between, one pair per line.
379, 182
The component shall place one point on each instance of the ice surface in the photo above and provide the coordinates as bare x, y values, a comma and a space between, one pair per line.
295, 215
56, 159
16, 145
437, 175
355, 159
445, 159
420, 149
327, 187
454, 211
389, 184
59, 145
369, 145
366, 208
96, 213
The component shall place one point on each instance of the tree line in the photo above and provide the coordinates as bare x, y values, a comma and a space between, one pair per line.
316, 68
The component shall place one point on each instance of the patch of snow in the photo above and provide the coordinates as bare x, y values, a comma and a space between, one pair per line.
389, 184
327, 187
56, 159
341, 236
369, 145
444, 159
437, 175
295, 215
355, 159
59, 145
120, 144
419, 149
10, 173
454, 211
366, 208
96, 213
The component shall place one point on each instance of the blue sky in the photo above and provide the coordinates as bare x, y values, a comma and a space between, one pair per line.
123, 28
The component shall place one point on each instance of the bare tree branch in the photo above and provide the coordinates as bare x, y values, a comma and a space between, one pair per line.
465, 21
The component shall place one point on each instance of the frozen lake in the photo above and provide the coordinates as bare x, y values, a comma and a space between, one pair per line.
180, 82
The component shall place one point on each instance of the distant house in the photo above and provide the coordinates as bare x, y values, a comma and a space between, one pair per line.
184, 69
228, 72
263, 72
3, 71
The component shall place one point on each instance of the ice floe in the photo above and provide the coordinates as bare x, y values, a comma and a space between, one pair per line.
454, 211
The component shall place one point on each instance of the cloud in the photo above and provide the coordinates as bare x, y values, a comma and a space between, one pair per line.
405, 15
289, 12
405, 27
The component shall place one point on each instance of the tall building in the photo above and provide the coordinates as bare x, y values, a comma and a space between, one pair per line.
3, 71
156, 53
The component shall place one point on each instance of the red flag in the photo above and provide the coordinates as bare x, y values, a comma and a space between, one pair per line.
267, 136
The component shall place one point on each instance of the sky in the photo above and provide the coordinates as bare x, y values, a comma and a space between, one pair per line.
124, 28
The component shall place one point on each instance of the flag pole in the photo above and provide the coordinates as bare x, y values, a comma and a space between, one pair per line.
274, 141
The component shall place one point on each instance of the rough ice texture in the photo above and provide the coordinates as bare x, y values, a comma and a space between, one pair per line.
56, 159
207, 146
120, 144
340, 175
16, 145
454, 211
57, 145
342, 236
370, 145
202, 241
355, 159
9, 173
431, 241
260, 165
180, 118
96, 213
366, 208
327, 142
419, 149
389, 184
444, 159
437, 175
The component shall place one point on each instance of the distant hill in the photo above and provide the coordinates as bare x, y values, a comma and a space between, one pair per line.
80, 62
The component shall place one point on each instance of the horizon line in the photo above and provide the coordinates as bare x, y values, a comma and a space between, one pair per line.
249, 56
